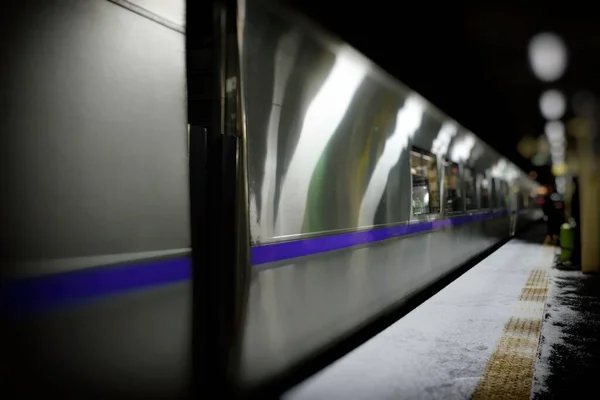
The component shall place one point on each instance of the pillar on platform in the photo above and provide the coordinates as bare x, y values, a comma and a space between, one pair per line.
589, 194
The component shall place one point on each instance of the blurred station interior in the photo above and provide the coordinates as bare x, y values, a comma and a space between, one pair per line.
299, 199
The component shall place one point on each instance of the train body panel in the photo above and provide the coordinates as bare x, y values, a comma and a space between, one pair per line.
135, 344
300, 306
351, 176
97, 151
361, 194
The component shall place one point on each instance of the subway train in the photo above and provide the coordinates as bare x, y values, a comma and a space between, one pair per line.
355, 194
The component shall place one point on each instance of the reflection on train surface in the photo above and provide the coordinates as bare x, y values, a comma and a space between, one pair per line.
360, 193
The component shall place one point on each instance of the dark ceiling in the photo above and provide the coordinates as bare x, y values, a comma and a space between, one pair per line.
470, 59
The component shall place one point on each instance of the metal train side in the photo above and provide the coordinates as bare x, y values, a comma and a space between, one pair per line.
329, 140
329, 136
95, 200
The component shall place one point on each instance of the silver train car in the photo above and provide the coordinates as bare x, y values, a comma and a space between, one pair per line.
359, 194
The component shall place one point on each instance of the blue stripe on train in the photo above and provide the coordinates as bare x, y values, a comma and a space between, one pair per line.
48, 292
284, 250
53, 291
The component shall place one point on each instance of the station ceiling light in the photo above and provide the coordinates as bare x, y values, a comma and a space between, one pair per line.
552, 104
547, 56
555, 131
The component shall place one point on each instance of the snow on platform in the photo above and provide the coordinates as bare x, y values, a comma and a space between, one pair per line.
441, 349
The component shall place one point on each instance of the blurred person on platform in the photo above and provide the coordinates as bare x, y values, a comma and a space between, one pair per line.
576, 214
553, 215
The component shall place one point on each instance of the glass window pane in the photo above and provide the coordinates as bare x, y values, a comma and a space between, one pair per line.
494, 193
502, 194
485, 191
425, 191
453, 202
470, 189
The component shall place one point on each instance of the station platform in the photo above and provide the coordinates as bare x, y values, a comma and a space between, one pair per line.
513, 326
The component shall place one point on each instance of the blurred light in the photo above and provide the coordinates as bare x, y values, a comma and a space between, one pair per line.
558, 152
533, 175
484, 183
442, 141
547, 56
539, 159
543, 147
461, 149
578, 127
542, 191
527, 147
559, 169
555, 130
552, 104
561, 185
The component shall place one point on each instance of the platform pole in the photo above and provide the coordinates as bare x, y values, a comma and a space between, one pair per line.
589, 192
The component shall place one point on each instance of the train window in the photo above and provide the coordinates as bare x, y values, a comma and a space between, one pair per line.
453, 202
525, 200
502, 193
520, 200
485, 187
425, 190
470, 189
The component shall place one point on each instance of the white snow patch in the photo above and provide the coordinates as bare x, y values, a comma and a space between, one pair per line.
440, 350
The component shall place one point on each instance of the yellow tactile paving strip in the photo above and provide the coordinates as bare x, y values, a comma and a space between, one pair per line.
509, 372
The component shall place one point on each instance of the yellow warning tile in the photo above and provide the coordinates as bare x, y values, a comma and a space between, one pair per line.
510, 368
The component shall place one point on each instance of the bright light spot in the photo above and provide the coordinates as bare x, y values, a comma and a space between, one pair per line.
461, 149
547, 56
321, 120
559, 169
555, 131
511, 174
542, 191
484, 183
442, 141
552, 104
499, 169
408, 120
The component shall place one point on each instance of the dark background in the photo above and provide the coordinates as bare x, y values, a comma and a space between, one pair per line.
470, 58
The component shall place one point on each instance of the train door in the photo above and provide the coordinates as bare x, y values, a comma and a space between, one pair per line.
220, 249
